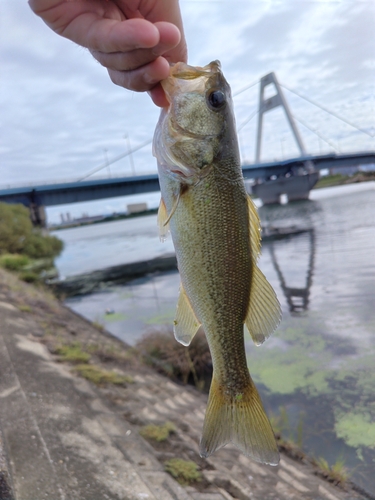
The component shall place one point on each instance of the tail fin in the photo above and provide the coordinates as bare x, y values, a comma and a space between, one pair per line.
240, 420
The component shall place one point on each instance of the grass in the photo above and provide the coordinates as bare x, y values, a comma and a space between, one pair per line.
73, 353
98, 325
184, 471
111, 353
336, 473
29, 276
158, 433
14, 262
284, 432
102, 377
331, 180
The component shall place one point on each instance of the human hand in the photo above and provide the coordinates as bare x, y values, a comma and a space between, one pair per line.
135, 40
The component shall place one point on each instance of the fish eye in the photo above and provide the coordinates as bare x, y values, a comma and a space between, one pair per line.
216, 99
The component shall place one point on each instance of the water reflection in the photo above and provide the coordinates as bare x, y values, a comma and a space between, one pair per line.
321, 360
297, 297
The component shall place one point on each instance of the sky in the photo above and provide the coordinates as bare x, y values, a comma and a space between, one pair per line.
61, 117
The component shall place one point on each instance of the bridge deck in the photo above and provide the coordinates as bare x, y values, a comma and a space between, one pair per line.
78, 191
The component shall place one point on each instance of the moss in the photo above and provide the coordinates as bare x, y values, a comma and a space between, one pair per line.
357, 429
184, 471
73, 353
100, 377
157, 433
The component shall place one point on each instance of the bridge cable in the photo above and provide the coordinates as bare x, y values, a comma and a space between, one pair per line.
328, 111
123, 155
116, 158
316, 133
247, 120
235, 94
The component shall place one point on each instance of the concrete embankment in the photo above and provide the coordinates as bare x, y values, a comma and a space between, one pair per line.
65, 437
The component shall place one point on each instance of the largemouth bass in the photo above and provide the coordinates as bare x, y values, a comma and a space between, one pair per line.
216, 234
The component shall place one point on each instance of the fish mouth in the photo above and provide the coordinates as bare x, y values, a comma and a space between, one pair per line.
194, 77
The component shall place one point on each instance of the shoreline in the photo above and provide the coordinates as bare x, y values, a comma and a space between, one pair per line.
90, 281
38, 326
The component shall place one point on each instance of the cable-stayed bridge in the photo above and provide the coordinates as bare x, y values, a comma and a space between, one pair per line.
293, 177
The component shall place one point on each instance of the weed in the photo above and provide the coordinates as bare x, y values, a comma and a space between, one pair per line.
188, 364
158, 433
73, 353
282, 426
102, 377
98, 325
109, 353
184, 471
284, 433
29, 276
336, 473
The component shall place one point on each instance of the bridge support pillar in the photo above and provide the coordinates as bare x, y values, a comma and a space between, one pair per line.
298, 185
38, 215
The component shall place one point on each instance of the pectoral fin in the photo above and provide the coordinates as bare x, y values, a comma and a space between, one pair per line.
186, 324
264, 313
163, 221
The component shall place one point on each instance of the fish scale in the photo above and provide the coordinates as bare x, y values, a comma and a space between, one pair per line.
222, 260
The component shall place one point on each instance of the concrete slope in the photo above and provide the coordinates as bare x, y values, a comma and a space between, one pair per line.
66, 439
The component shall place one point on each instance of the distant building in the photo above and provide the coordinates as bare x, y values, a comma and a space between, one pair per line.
134, 208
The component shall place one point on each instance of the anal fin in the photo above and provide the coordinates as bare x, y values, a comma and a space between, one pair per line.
264, 312
185, 324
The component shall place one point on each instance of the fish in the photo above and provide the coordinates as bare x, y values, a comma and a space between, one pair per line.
216, 234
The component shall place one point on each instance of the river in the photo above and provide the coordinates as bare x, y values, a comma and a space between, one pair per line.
318, 369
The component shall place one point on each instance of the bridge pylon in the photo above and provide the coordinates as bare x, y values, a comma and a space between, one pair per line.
270, 103
295, 188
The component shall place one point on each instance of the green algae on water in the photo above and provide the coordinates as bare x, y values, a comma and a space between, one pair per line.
357, 429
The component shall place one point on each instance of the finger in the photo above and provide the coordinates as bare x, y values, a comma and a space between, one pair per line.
157, 94
109, 35
168, 34
141, 79
125, 61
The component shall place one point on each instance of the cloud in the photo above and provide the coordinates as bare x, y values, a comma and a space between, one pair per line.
60, 111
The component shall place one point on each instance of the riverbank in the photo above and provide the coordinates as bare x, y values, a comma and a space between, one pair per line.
74, 401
